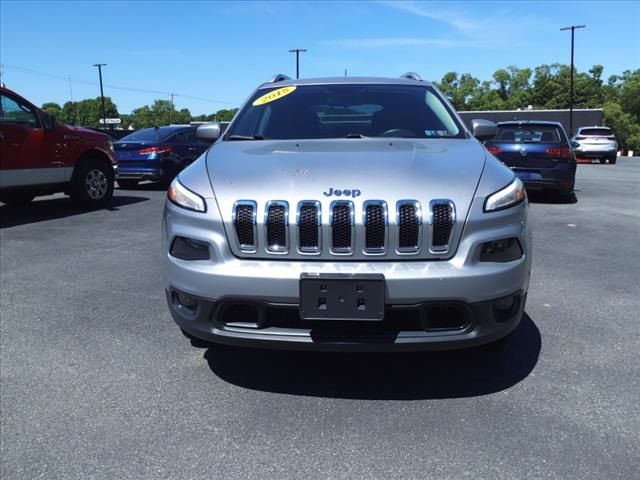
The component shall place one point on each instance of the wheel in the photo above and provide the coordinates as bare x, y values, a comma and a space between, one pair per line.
612, 159
127, 183
92, 184
603, 160
17, 199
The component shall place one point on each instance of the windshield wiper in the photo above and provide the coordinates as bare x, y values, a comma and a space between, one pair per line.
245, 137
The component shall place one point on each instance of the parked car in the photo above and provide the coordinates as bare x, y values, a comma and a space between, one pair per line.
157, 153
596, 143
347, 214
538, 152
40, 156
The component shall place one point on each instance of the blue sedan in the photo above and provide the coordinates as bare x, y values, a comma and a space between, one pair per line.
539, 153
156, 154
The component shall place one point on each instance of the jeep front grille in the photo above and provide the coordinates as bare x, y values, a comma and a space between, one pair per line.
375, 223
442, 217
309, 220
375, 232
409, 218
342, 223
244, 219
277, 226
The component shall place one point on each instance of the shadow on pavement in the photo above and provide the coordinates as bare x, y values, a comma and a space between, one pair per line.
40, 210
376, 376
146, 187
550, 197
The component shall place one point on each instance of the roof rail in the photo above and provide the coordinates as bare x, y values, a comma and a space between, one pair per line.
412, 76
279, 78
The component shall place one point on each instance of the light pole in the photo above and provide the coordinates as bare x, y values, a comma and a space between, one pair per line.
104, 115
573, 30
297, 50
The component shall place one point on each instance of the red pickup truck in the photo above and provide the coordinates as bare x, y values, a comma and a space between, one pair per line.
39, 156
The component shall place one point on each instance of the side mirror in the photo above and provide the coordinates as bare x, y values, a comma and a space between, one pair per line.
210, 132
48, 121
483, 129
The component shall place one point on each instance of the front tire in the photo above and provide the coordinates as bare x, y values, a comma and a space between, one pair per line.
92, 184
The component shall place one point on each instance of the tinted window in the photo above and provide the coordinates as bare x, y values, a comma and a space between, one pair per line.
338, 111
149, 135
603, 132
13, 111
529, 134
188, 136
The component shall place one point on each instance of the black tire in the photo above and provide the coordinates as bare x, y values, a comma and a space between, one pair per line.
92, 184
17, 199
612, 159
127, 184
603, 160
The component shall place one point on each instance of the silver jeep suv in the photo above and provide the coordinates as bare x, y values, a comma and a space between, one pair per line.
347, 214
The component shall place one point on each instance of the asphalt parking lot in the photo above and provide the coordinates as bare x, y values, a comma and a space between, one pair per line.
98, 383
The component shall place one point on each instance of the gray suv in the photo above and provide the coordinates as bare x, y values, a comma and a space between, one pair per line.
347, 214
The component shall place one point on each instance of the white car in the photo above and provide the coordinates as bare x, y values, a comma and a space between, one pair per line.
596, 142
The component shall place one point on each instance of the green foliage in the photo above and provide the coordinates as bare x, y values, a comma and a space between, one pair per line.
548, 87
624, 125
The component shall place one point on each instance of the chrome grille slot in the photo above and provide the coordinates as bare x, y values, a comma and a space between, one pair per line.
276, 221
309, 219
409, 220
244, 220
442, 216
341, 218
375, 222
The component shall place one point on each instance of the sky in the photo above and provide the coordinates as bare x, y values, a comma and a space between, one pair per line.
212, 54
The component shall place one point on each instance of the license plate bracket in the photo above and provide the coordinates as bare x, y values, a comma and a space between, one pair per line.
342, 296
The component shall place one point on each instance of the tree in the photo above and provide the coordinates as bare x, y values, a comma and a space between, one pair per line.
54, 109
623, 124
630, 93
160, 113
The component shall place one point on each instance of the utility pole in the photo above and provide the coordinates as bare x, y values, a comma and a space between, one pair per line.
297, 50
573, 30
172, 107
104, 114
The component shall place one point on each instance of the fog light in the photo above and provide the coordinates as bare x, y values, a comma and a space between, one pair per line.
503, 250
182, 301
189, 249
504, 303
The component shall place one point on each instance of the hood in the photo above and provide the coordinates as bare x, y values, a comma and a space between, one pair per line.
377, 169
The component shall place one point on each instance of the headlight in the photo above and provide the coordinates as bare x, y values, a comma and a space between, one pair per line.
185, 198
509, 196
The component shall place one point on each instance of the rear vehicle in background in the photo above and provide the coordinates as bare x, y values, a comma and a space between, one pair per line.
539, 153
596, 143
157, 153
39, 156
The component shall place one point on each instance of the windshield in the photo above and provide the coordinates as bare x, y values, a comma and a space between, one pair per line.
529, 134
345, 110
596, 132
149, 135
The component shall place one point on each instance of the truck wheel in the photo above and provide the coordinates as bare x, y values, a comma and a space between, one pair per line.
17, 200
127, 183
92, 184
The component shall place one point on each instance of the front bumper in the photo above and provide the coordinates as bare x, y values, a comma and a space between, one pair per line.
461, 282
405, 327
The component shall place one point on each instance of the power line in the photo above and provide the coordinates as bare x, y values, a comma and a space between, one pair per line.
115, 87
